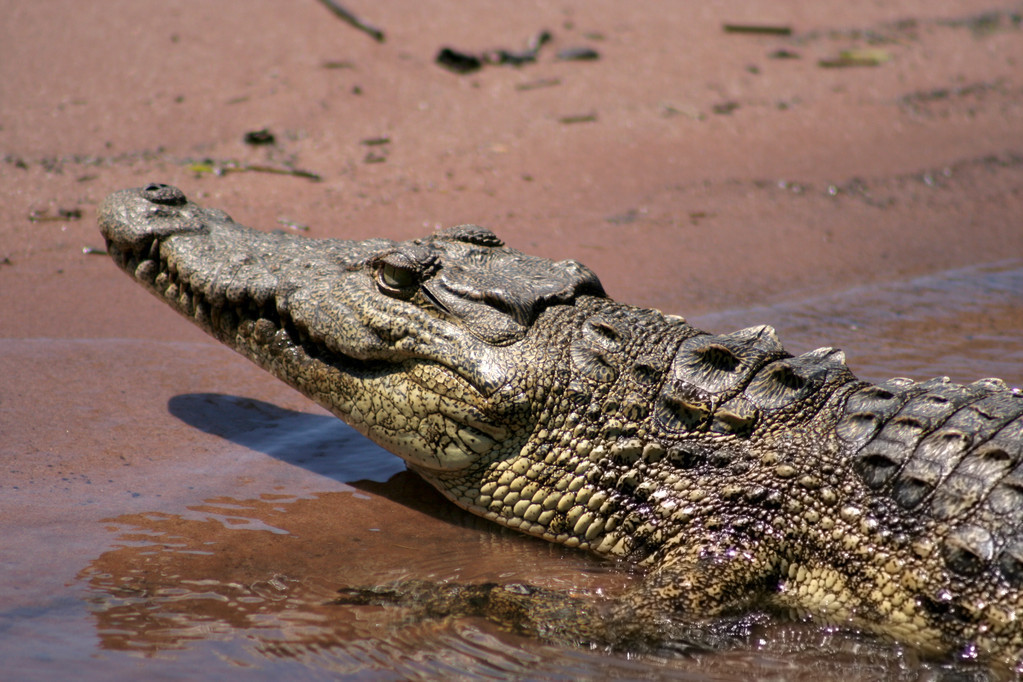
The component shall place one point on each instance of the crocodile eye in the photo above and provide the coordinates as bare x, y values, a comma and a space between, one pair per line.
394, 277
399, 273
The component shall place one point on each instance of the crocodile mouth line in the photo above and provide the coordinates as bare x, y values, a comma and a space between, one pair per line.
236, 323
248, 323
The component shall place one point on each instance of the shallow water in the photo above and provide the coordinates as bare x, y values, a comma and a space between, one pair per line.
201, 536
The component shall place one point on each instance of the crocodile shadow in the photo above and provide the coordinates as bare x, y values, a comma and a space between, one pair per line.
321, 444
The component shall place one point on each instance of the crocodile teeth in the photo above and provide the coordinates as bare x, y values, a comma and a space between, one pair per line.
146, 271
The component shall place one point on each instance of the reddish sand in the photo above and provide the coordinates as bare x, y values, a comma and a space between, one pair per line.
694, 170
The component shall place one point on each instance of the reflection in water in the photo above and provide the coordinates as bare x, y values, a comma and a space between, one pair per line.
247, 581
250, 580
256, 574
173, 579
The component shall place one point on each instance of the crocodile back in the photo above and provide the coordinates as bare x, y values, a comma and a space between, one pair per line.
951, 453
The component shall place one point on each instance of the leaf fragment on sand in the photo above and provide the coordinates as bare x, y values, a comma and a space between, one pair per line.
861, 56
579, 118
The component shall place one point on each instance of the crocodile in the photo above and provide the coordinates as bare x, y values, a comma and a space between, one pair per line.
736, 477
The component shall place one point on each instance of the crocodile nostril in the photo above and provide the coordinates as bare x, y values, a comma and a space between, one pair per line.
165, 195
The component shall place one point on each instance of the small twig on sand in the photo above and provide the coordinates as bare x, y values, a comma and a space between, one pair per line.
346, 15
758, 29
225, 167
293, 172
578, 118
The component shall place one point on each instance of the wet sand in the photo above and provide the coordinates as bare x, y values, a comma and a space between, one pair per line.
167, 509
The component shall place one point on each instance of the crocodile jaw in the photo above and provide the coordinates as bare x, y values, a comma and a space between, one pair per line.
431, 394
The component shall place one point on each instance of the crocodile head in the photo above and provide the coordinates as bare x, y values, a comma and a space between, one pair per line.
421, 344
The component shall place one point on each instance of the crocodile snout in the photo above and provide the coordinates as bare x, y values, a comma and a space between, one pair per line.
134, 220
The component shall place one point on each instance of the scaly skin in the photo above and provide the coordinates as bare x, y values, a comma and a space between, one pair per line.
740, 477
